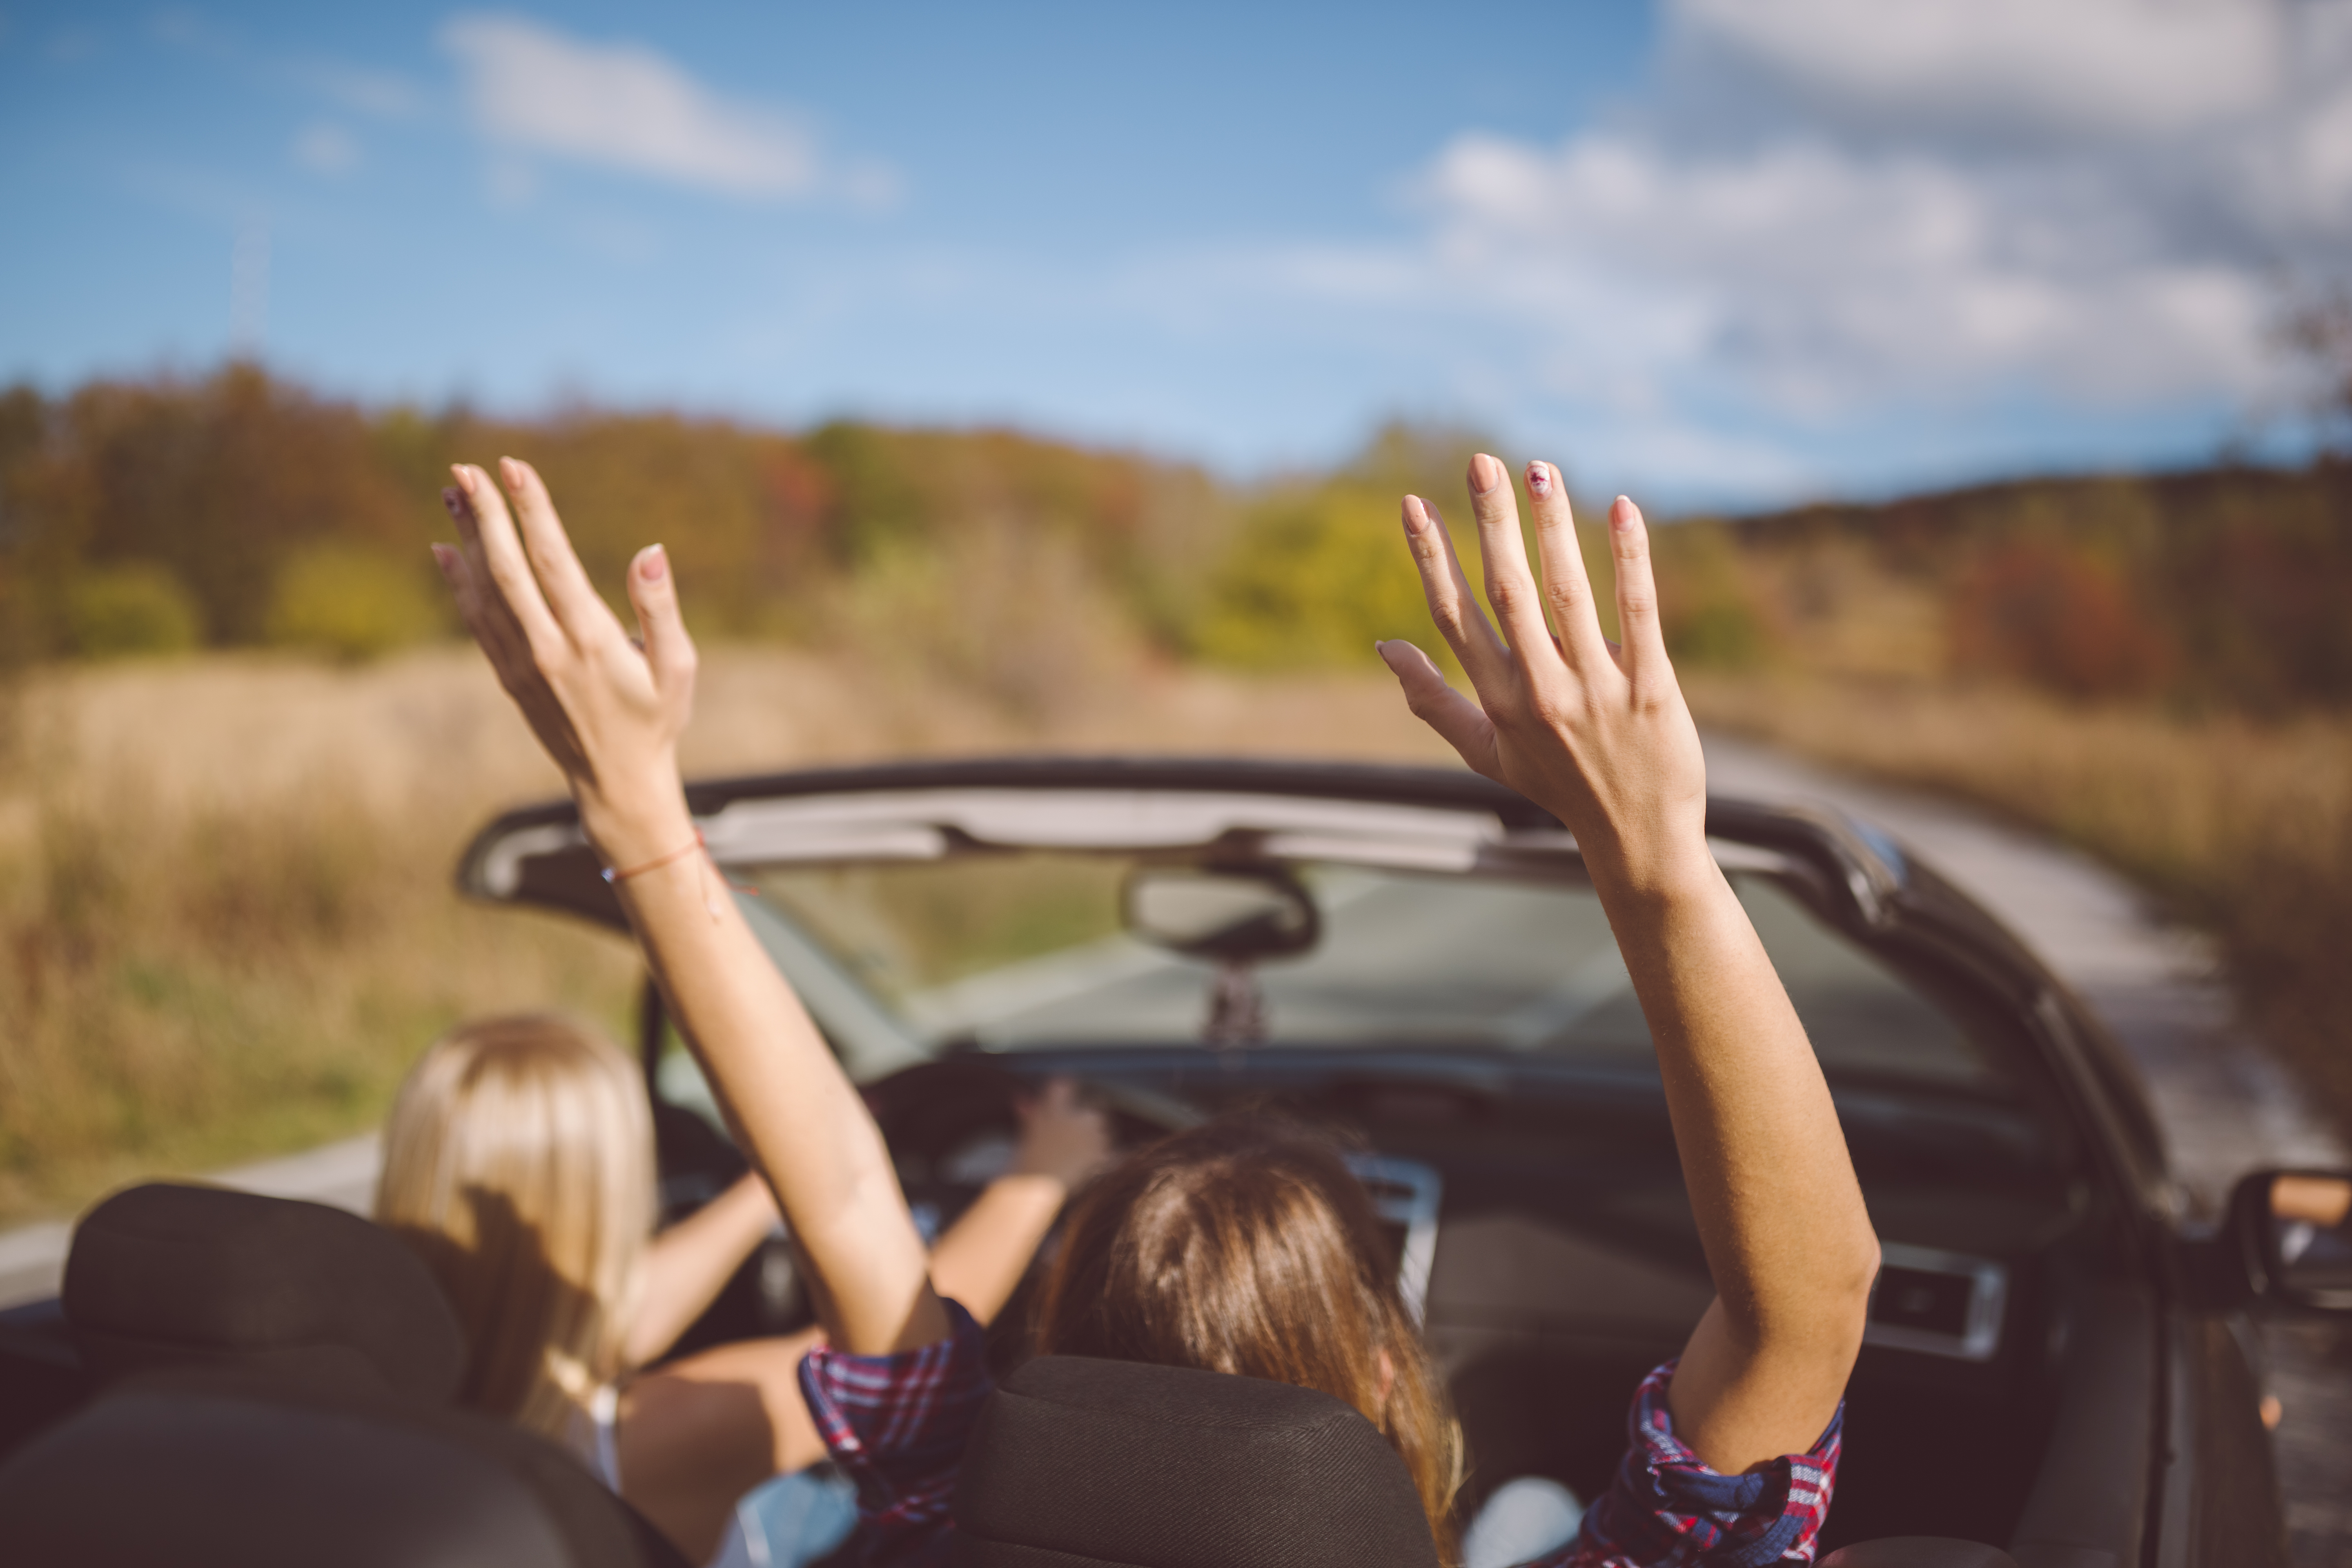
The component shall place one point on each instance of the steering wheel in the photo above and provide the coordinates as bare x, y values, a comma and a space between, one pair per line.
952, 1127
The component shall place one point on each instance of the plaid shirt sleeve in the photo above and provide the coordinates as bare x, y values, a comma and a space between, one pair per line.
897, 1426
1667, 1509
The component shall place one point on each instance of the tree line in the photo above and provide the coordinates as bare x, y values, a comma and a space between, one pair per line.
240, 509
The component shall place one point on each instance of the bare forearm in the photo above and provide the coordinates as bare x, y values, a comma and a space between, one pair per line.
1762, 1153
1788, 1240
791, 1107
981, 1260
690, 1263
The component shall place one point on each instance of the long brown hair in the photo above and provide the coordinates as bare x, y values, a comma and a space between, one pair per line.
1245, 1246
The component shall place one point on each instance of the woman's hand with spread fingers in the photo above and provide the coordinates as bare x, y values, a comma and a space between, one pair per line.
609, 709
1595, 733
1601, 737
610, 712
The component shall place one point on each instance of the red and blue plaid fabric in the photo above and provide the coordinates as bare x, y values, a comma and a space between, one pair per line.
1666, 1510
897, 1424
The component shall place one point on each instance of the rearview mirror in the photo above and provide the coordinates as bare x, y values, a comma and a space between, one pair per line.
2293, 1230
1229, 915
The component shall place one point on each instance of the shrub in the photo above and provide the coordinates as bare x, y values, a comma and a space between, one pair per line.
1313, 578
1706, 610
352, 603
2060, 618
129, 609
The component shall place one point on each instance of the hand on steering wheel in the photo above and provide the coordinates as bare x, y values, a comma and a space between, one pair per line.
1062, 1135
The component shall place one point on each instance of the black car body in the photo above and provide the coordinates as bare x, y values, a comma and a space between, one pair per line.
2056, 1364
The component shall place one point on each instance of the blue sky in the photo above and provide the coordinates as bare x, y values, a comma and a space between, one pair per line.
1711, 251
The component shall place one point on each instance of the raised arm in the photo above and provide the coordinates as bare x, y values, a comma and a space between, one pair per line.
610, 712
1599, 735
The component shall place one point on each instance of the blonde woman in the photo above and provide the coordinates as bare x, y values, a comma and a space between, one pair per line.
519, 1161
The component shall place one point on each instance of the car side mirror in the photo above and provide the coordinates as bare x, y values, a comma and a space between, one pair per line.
2291, 1232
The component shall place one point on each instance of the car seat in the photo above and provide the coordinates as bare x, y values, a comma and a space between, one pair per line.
1077, 1462
273, 1380
166, 1276
238, 1469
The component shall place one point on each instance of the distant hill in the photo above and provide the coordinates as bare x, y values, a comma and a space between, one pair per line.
2223, 587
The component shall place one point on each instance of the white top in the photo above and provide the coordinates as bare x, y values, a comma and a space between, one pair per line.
604, 1453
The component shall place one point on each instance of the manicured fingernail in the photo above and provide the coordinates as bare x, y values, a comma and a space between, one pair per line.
442, 555
1415, 519
453, 501
1622, 514
511, 472
1485, 474
653, 563
465, 476
1539, 479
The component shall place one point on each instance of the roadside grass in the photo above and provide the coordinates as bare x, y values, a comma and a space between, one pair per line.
2241, 828
226, 919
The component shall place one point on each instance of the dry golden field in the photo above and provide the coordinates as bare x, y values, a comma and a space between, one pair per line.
2242, 828
226, 922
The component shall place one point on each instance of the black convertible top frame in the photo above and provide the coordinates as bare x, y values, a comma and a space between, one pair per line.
1864, 883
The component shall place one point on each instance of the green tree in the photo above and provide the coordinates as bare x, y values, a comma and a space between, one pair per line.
135, 608
352, 603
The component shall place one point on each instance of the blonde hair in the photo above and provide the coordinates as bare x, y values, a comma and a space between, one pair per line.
519, 1161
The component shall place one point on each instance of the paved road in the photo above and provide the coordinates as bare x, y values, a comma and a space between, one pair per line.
33, 1256
2224, 1103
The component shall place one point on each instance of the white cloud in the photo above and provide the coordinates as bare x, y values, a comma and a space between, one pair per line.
326, 148
1827, 205
2125, 67
534, 89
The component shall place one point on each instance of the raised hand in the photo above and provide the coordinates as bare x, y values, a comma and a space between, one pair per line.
1596, 733
608, 709
1602, 738
610, 712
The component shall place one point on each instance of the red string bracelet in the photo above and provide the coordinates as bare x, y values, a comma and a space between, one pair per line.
669, 859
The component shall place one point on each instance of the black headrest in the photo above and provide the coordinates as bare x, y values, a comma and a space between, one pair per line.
1078, 1462
167, 1276
199, 1470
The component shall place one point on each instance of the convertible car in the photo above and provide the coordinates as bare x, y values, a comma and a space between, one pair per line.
2057, 1364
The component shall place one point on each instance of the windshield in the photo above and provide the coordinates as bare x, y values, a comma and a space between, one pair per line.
1013, 951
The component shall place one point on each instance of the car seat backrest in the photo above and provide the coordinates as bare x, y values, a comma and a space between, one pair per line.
241, 1469
166, 1276
1077, 1462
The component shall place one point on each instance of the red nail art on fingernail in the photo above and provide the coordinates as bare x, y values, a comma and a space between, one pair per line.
1539, 479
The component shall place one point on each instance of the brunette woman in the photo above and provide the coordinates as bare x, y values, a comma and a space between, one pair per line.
1736, 1442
